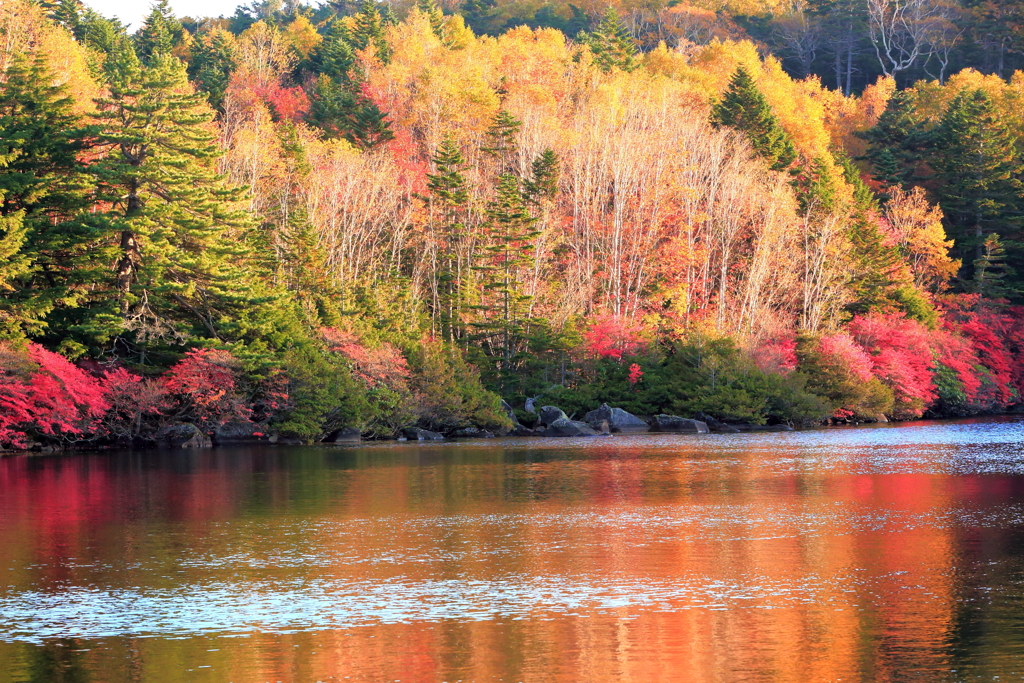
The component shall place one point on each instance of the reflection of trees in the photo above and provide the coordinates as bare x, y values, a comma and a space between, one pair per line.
57, 661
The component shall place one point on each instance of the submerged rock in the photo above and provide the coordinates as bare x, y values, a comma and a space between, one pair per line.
680, 425
567, 427
239, 432
417, 434
182, 435
618, 419
344, 435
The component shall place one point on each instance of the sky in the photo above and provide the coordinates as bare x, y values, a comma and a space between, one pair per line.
132, 11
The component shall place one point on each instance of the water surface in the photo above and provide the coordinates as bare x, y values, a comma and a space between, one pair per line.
887, 553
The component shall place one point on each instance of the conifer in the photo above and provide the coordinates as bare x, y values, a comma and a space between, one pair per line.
369, 30
979, 174
181, 250
449, 195
435, 16
212, 63
744, 108
611, 44
334, 56
160, 33
895, 143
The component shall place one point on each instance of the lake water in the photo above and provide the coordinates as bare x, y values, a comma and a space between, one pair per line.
886, 553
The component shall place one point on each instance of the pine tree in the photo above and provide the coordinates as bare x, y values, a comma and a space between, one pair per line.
212, 63
449, 197
180, 270
436, 17
334, 56
501, 140
979, 175
49, 242
744, 108
160, 33
340, 111
993, 278
68, 13
369, 30
895, 143
543, 182
611, 44
510, 232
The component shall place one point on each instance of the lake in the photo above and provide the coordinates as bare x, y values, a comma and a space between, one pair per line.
884, 553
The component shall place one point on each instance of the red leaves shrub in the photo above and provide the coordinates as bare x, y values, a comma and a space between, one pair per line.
137, 405
203, 386
777, 356
843, 350
901, 357
635, 374
383, 366
42, 394
613, 337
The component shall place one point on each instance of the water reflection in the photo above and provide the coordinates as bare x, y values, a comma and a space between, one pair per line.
858, 554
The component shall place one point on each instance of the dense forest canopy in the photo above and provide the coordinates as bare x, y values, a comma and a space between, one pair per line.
309, 217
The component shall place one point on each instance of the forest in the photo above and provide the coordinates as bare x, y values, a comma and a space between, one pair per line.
370, 216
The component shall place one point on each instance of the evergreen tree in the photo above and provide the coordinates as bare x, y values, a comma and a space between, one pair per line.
501, 140
49, 242
543, 182
68, 13
479, 15
511, 233
744, 108
212, 63
611, 44
334, 56
160, 33
436, 17
342, 112
993, 278
369, 30
449, 197
180, 270
895, 143
978, 171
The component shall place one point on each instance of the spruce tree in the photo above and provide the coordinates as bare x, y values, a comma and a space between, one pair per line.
369, 30
160, 33
334, 57
611, 44
895, 143
342, 112
49, 241
993, 278
181, 255
744, 108
212, 63
501, 140
435, 16
449, 197
978, 172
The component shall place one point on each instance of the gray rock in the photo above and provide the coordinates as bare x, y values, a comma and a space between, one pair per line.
520, 430
600, 426
567, 427
239, 432
550, 414
676, 424
417, 434
182, 435
618, 419
511, 413
716, 426
281, 440
344, 435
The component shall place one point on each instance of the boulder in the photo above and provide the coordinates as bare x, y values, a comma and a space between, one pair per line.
550, 414
182, 435
344, 435
510, 412
600, 426
716, 426
282, 440
567, 427
239, 432
417, 434
618, 419
472, 433
520, 430
676, 424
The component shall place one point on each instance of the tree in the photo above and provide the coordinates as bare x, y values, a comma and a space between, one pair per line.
334, 56
611, 44
181, 248
895, 143
343, 112
744, 108
435, 16
160, 33
449, 197
979, 175
212, 63
368, 31
51, 244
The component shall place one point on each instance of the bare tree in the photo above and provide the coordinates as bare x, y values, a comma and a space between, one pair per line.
799, 34
903, 31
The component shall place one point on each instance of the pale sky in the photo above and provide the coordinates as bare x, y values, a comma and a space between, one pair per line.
132, 11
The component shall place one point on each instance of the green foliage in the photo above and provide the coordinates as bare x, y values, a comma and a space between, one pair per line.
160, 33
744, 108
212, 63
895, 143
611, 44
827, 376
49, 243
369, 30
